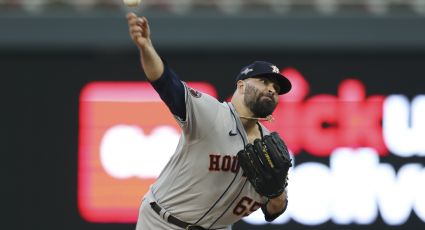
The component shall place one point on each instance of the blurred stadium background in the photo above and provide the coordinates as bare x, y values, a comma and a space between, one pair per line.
355, 122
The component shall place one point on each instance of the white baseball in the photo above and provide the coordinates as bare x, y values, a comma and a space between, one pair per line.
132, 3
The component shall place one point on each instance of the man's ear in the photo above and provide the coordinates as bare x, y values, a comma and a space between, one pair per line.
240, 85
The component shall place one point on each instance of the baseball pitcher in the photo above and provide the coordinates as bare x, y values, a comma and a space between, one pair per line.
226, 165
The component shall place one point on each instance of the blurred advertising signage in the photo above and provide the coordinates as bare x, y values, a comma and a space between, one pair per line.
123, 128
126, 136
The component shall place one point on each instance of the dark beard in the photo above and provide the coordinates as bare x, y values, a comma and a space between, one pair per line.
260, 108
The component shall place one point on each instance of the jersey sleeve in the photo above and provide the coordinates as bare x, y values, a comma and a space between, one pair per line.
196, 112
201, 114
171, 90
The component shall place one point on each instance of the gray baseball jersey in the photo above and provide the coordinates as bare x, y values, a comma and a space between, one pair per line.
202, 184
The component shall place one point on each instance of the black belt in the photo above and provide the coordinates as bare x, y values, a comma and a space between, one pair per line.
173, 220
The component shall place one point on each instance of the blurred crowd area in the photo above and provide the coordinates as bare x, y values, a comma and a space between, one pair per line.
374, 7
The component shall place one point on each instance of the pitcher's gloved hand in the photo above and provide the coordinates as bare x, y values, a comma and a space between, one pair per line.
266, 164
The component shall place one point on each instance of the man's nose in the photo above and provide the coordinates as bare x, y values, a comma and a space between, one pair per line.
271, 89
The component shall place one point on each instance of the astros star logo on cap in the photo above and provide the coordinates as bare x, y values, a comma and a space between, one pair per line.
275, 69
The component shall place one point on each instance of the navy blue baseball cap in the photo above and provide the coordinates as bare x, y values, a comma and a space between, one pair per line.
265, 69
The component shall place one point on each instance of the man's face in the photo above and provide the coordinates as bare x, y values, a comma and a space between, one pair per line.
261, 96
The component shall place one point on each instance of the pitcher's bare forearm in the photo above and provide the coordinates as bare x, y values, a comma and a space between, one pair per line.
151, 63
